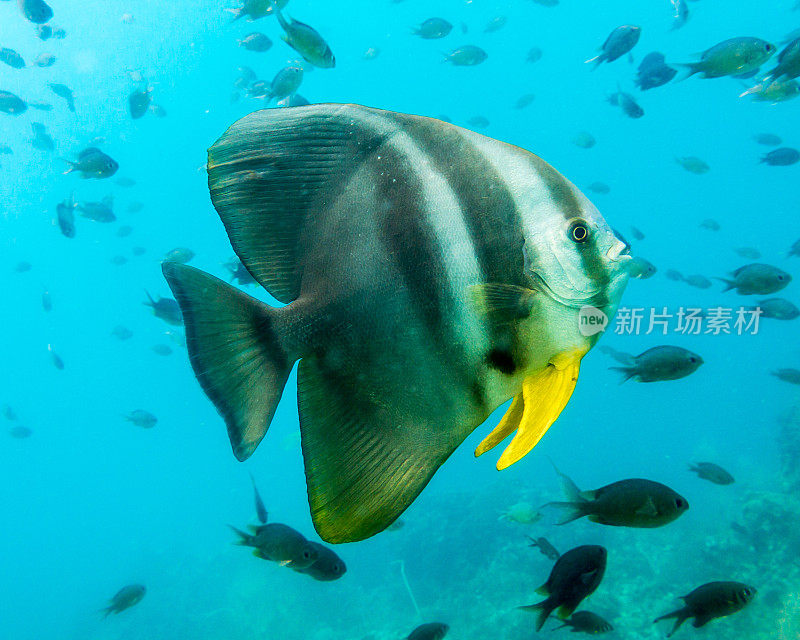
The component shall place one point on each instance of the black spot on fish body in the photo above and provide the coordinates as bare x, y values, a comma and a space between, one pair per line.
501, 360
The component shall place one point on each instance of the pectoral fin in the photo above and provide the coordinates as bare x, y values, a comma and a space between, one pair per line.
504, 302
648, 508
544, 396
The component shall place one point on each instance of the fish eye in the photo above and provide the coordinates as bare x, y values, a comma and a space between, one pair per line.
680, 503
306, 554
579, 232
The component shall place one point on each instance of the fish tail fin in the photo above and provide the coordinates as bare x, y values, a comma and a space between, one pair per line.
689, 69
749, 90
72, 166
149, 302
597, 60
572, 510
542, 609
235, 349
627, 373
571, 489
729, 284
237, 13
245, 539
106, 611
680, 616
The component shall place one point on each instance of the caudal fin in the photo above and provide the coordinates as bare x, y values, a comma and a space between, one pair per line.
679, 614
627, 373
542, 609
597, 60
235, 350
688, 69
729, 284
245, 539
571, 490
572, 510
578, 501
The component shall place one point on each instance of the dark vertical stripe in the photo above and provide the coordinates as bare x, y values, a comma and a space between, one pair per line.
491, 217
490, 214
565, 199
411, 242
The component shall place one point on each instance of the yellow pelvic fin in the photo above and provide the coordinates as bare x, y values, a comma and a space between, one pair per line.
508, 424
544, 396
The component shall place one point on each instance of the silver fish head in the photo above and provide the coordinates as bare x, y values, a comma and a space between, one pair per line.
578, 262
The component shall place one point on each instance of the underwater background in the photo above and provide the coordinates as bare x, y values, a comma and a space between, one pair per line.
92, 502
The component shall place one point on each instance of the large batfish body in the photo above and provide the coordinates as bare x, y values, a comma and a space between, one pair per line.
430, 274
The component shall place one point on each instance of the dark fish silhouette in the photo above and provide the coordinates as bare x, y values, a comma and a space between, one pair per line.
66, 216
37, 11
11, 104
547, 549
575, 575
712, 600
587, 622
125, 598
429, 631
661, 363
619, 42
626, 503
166, 309
327, 567
712, 472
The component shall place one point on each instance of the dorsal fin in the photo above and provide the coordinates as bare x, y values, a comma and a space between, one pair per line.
274, 168
88, 151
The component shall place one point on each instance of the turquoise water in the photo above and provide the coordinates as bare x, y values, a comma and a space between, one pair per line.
92, 503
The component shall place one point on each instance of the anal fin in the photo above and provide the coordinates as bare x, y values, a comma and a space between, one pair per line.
544, 396
365, 462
